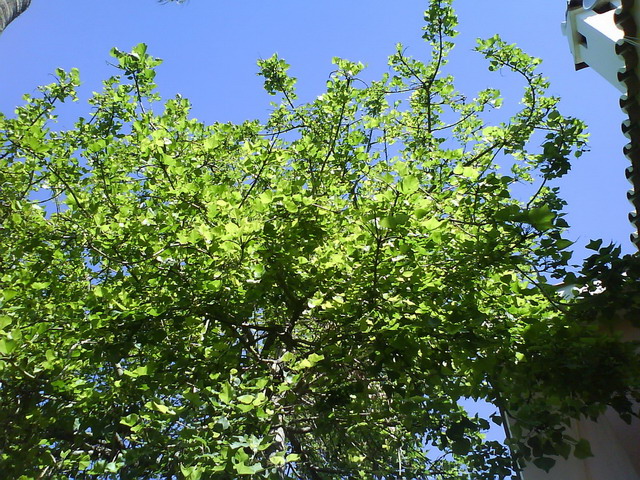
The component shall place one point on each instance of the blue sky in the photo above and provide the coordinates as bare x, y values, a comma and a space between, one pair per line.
210, 48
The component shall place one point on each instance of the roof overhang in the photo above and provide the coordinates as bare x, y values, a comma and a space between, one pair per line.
603, 35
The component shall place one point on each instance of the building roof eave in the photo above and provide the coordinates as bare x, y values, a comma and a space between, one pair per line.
596, 22
627, 18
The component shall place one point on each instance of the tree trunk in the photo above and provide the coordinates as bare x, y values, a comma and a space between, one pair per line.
10, 10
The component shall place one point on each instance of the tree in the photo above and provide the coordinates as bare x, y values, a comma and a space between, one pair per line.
308, 297
12, 9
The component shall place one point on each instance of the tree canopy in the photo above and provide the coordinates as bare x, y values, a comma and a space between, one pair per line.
313, 296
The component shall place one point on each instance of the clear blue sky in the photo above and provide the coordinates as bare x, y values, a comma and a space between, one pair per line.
210, 48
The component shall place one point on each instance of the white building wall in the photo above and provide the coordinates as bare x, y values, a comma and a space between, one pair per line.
592, 39
615, 444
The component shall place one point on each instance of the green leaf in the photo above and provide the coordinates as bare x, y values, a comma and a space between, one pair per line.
7, 346
84, 462
210, 143
247, 399
582, 449
309, 362
130, 420
288, 357
544, 463
138, 372
8, 294
409, 185
226, 393
421, 212
541, 217
5, 321
243, 469
394, 220
266, 197
461, 446
159, 407
278, 459
191, 473
290, 205
594, 245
